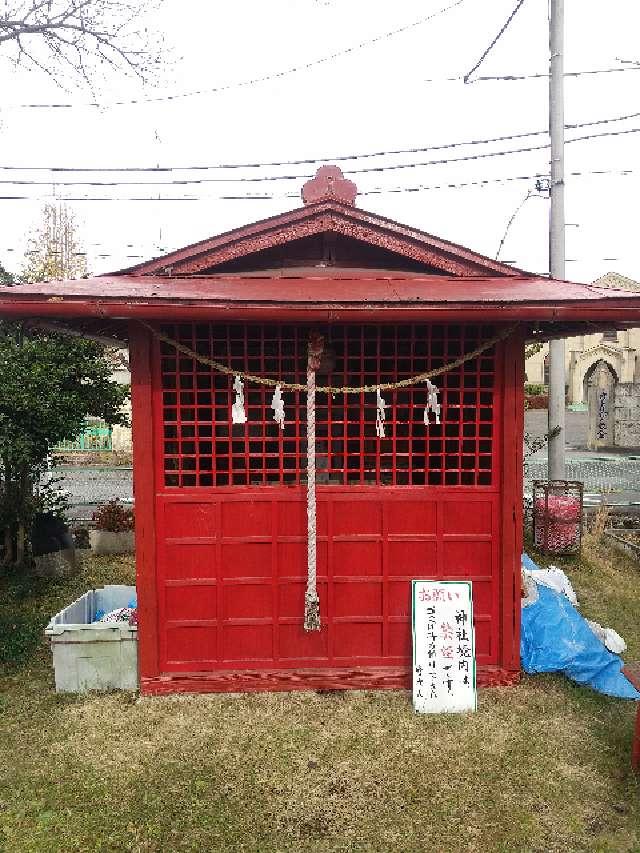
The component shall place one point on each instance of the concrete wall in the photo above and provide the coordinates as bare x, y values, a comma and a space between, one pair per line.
614, 412
627, 414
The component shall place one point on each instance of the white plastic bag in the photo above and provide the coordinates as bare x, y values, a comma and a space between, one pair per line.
611, 639
555, 579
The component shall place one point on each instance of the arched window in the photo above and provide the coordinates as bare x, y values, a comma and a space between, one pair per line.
592, 370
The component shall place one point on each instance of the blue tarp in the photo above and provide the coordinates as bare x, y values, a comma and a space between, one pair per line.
528, 564
556, 638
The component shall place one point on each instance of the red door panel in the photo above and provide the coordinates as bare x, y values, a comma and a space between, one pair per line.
231, 524
242, 585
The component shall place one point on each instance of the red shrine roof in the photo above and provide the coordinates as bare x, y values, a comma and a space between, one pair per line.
326, 261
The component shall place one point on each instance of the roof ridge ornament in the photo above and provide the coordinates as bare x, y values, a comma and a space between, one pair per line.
329, 184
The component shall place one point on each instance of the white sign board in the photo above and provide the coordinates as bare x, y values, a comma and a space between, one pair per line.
444, 664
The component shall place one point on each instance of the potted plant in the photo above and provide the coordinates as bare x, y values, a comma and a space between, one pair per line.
113, 532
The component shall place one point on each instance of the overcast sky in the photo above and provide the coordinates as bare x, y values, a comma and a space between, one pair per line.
374, 98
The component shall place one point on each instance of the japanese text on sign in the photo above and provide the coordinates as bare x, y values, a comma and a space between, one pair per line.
601, 426
444, 671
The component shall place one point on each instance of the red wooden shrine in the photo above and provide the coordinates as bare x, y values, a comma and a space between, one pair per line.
221, 508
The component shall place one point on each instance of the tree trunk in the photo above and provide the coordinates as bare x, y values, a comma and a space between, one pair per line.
20, 544
7, 533
7, 556
17, 496
24, 499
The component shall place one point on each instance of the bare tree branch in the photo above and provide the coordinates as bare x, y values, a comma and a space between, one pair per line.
79, 38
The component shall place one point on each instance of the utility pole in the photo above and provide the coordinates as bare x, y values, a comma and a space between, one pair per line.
556, 462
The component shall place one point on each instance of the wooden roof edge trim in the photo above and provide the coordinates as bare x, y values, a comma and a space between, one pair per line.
458, 263
233, 235
118, 336
577, 310
420, 236
284, 221
56, 287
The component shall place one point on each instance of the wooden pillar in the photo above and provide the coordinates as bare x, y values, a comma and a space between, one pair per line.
512, 387
141, 353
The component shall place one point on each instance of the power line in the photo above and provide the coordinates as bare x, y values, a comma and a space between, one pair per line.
545, 273
374, 191
494, 42
145, 198
244, 83
307, 161
272, 178
104, 255
313, 160
486, 181
516, 77
253, 81
512, 218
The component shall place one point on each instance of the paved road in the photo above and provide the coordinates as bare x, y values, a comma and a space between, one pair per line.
576, 426
617, 475
89, 486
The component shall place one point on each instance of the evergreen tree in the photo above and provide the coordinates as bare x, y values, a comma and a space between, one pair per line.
6, 277
49, 384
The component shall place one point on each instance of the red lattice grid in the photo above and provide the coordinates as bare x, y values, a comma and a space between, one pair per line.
203, 448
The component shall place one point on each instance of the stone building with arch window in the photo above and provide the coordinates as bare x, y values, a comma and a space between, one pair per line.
620, 352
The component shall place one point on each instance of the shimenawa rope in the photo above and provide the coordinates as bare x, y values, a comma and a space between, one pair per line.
329, 389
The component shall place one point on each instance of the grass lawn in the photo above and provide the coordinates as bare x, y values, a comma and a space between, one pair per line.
543, 766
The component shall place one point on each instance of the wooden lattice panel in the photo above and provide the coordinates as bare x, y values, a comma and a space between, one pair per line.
201, 447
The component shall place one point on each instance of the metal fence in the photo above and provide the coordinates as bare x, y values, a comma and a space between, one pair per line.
95, 438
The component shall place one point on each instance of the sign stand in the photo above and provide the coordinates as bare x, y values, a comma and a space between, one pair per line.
444, 664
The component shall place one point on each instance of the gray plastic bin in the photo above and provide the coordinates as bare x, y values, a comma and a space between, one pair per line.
90, 655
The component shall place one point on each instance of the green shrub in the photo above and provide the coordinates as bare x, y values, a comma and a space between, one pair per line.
535, 389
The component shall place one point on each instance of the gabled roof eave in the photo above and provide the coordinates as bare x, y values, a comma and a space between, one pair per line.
332, 216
